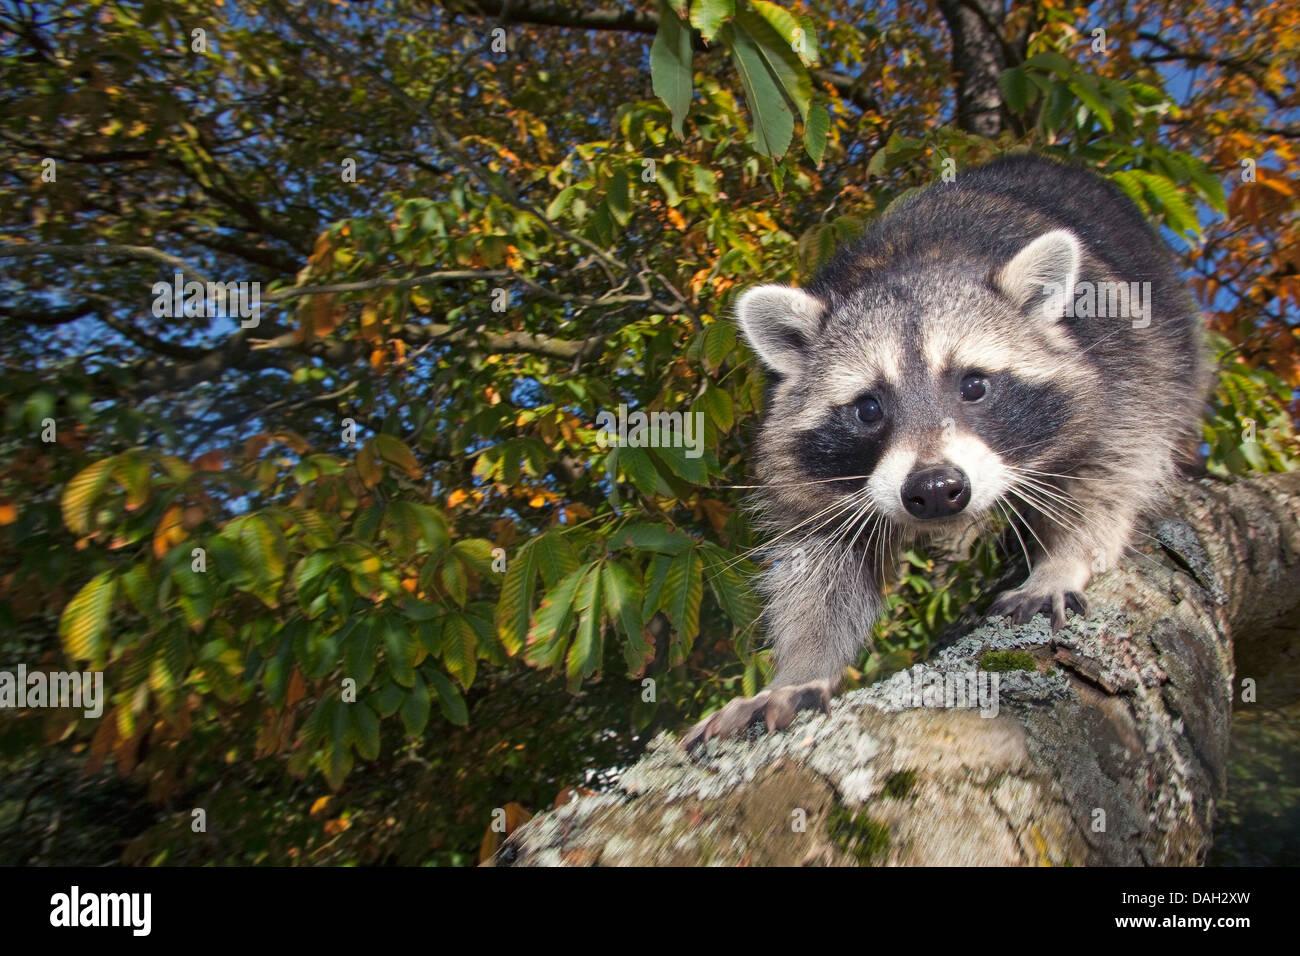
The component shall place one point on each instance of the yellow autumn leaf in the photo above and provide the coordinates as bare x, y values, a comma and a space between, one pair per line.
85, 619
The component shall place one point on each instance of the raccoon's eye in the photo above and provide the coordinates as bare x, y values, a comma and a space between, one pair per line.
974, 387
868, 410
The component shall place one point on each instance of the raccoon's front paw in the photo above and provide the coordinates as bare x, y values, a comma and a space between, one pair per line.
1021, 604
774, 707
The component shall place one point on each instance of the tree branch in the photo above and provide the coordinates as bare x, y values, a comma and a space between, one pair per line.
1109, 745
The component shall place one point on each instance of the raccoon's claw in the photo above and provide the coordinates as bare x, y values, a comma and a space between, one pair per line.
1021, 605
774, 708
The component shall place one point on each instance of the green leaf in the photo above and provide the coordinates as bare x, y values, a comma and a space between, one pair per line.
1086, 89
719, 343
773, 117
565, 196
85, 619
639, 468
455, 580
399, 650
387, 699
782, 62
1209, 185
80, 493
131, 470
815, 129
365, 730
460, 648
549, 634
515, 607
1015, 89
652, 537
1177, 213
433, 525
799, 36
730, 586
360, 651
622, 591
707, 16
588, 643
264, 551
1126, 180
670, 66
415, 708
683, 588
279, 666
555, 557
1051, 61
684, 463
450, 701
475, 553
716, 403
310, 568
619, 196
394, 451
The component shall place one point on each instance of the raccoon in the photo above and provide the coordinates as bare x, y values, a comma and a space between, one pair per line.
1015, 344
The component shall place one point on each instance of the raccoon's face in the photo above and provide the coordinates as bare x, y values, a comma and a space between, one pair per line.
930, 394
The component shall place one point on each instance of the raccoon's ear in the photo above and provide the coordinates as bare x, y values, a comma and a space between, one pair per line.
780, 323
1045, 269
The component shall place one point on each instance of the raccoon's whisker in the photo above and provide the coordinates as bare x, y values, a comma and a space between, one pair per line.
861, 520
1029, 527
1060, 505
859, 508
890, 536
834, 509
866, 546
886, 550
1021, 469
1089, 531
1053, 494
1090, 522
1050, 494
843, 528
1082, 514
855, 524
792, 484
1046, 509
1001, 504
1108, 335
1030, 444
834, 512
1091, 525
881, 548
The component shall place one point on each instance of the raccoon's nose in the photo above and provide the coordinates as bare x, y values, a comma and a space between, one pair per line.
936, 492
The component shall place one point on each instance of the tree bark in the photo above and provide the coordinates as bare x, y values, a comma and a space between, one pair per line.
977, 62
1108, 746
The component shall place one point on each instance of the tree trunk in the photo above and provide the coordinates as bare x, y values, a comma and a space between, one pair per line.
1108, 745
977, 62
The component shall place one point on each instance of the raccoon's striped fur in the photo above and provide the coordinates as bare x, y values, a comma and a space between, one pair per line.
944, 368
